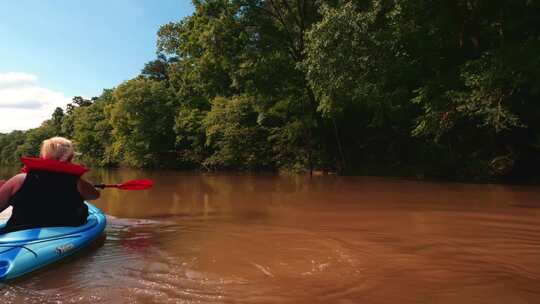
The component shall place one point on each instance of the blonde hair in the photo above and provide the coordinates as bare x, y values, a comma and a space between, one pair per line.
58, 148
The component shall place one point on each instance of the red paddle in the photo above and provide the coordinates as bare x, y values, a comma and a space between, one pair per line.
138, 184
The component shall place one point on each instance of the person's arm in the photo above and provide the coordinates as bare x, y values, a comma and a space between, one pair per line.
87, 190
9, 188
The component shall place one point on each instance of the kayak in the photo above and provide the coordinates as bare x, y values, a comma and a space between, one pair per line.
25, 251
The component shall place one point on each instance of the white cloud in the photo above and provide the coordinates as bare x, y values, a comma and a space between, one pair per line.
16, 80
24, 104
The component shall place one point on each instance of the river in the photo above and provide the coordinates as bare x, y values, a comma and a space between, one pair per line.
255, 238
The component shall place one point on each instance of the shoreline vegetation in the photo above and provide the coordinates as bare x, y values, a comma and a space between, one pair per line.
412, 88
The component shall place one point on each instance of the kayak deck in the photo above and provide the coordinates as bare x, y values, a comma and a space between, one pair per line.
24, 251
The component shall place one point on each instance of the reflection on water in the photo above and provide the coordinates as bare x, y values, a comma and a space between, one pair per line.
241, 238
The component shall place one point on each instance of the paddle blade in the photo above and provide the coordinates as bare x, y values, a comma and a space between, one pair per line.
139, 184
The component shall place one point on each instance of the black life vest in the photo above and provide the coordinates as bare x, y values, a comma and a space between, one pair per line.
48, 196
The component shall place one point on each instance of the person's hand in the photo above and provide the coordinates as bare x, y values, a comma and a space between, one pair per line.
2, 182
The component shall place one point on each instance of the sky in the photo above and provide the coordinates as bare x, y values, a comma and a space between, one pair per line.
52, 50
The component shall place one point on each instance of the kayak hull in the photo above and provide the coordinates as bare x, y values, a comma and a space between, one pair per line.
25, 251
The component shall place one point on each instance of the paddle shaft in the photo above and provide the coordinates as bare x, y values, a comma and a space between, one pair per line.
103, 186
140, 184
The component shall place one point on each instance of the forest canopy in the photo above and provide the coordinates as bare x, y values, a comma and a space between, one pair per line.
403, 87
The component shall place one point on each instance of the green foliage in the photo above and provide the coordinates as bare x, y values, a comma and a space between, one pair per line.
410, 68
203, 47
92, 131
157, 69
235, 136
56, 120
142, 117
8, 147
190, 137
34, 137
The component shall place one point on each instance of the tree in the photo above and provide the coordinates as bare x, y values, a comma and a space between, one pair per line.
234, 133
78, 101
158, 69
142, 120
8, 147
248, 48
56, 120
92, 131
33, 139
451, 69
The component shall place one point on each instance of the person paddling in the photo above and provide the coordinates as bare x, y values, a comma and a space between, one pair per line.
49, 192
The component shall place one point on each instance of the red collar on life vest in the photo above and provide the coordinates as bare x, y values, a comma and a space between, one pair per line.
52, 165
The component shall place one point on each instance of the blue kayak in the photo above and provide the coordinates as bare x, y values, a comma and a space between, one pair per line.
24, 251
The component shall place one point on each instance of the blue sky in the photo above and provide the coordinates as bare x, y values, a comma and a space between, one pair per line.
63, 48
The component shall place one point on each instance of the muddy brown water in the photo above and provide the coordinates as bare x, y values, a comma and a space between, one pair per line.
240, 238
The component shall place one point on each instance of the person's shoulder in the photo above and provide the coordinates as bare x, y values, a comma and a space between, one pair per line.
19, 177
14, 184
17, 180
